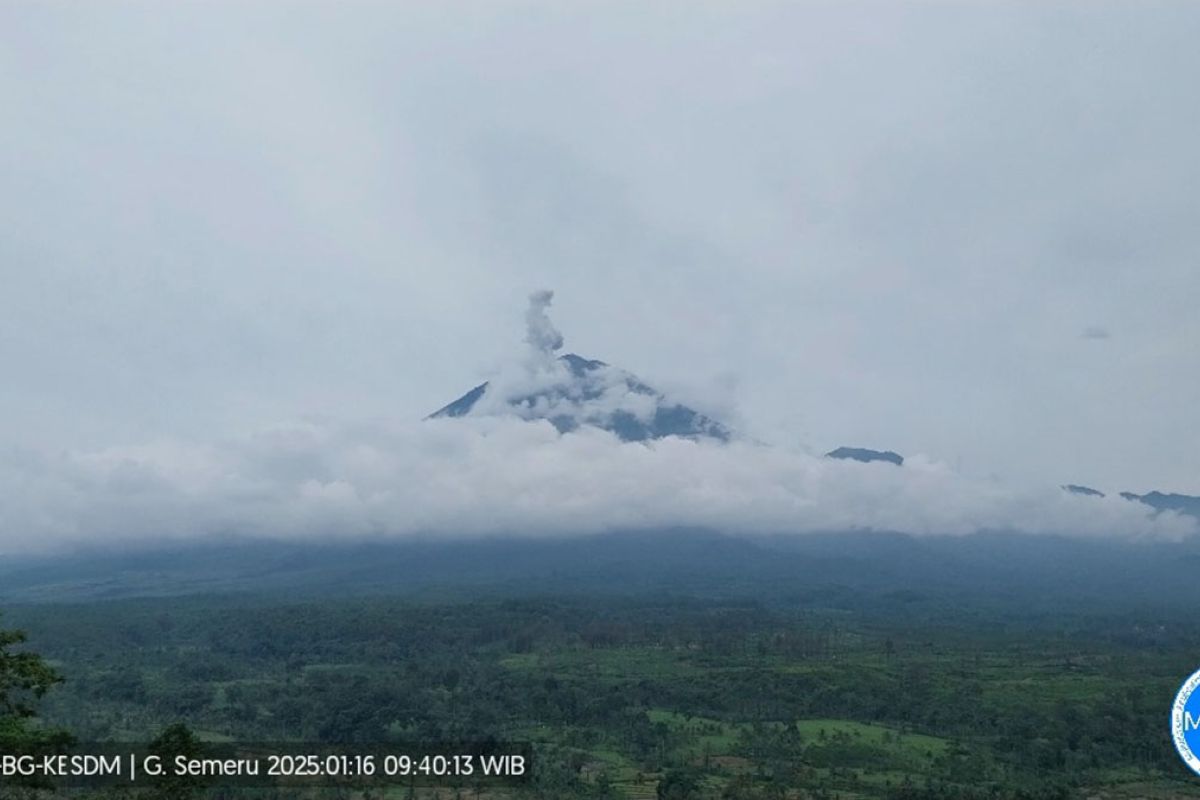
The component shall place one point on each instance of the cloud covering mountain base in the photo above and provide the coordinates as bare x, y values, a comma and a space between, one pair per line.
485, 476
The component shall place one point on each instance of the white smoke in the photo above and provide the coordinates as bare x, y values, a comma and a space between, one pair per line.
539, 376
540, 332
541, 386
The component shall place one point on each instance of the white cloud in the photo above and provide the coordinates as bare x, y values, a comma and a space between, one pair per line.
505, 476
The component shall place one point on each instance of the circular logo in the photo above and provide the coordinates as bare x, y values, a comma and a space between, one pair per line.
1185, 722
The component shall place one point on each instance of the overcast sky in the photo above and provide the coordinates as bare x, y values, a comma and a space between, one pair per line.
969, 231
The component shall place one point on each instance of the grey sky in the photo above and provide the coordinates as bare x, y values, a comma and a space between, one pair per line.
883, 225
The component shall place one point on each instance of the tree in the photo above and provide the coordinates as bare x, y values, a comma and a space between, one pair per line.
176, 740
677, 784
24, 678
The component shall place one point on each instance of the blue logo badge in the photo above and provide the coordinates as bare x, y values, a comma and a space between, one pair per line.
1185, 722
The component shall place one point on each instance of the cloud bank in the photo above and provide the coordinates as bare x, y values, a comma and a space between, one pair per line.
505, 469
485, 476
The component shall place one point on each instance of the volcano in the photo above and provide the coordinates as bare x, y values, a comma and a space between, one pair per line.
571, 391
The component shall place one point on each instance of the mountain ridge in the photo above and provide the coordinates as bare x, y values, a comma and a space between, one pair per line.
866, 455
